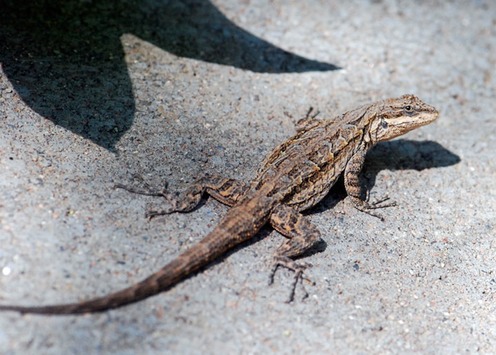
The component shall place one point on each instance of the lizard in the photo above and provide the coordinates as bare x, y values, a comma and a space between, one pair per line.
295, 176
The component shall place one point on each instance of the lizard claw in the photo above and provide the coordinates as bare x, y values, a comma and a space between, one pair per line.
152, 213
172, 199
380, 203
367, 207
147, 192
297, 268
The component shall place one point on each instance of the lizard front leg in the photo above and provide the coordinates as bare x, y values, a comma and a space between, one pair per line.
302, 235
354, 189
308, 121
224, 190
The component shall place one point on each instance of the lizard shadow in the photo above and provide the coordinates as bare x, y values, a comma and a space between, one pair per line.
400, 154
66, 59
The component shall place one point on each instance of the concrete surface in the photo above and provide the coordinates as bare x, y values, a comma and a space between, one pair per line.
92, 94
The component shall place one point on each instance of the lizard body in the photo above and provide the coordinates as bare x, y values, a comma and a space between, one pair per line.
295, 176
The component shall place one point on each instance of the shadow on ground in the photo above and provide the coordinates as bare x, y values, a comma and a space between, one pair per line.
66, 61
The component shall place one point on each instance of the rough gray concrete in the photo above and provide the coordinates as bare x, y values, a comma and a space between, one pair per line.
190, 91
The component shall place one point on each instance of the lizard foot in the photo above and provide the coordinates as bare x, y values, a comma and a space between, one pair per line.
147, 191
367, 207
175, 205
134, 190
297, 268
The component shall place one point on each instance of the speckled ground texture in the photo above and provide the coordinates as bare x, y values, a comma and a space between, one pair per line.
146, 92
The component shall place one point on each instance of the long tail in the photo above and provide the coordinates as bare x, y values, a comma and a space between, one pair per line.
230, 232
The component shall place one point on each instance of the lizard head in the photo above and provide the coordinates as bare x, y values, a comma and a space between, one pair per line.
399, 116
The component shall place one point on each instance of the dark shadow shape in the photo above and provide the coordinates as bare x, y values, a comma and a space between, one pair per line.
65, 58
403, 154
319, 247
400, 154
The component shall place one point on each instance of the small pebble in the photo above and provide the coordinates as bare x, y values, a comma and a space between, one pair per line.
6, 271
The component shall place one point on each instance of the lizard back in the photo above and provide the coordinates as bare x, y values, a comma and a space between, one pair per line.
305, 167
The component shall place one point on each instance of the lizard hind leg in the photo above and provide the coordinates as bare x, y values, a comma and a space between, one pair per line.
301, 234
224, 190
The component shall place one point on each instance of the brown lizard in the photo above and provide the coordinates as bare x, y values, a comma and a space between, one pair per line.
294, 177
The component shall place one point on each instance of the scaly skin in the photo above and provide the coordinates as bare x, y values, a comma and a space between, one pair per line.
294, 177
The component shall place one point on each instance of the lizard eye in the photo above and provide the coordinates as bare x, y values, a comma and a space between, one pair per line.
384, 124
408, 110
